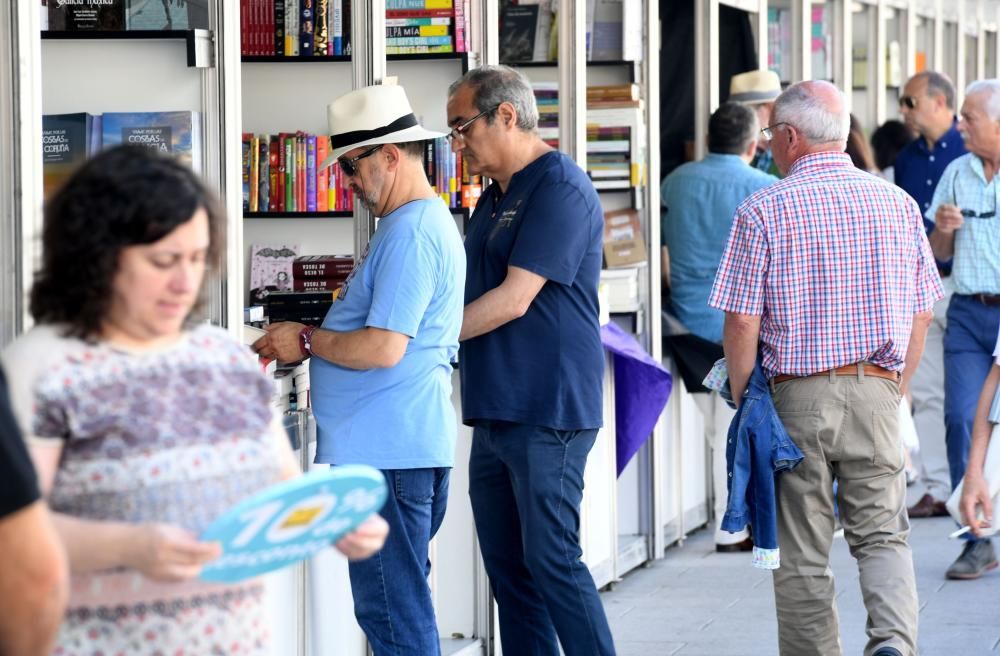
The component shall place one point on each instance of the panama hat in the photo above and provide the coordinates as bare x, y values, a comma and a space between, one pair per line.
379, 114
754, 87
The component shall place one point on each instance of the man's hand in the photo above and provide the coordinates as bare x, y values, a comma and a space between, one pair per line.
975, 493
948, 219
365, 540
281, 342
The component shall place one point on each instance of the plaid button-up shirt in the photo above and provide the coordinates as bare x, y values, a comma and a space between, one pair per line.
836, 263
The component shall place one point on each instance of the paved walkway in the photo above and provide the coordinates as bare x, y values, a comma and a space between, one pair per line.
696, 602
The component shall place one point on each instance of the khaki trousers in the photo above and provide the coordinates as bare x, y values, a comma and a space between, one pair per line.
846, 426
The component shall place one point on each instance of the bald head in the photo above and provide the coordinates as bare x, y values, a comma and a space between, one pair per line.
817, 110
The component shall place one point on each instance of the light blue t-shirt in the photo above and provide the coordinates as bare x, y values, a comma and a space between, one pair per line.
976, 268
699, 201
411, 280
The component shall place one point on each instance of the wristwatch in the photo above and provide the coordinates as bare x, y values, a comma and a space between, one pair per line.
305, 340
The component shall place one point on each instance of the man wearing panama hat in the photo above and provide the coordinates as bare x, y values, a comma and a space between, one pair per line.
758, 89
381, 367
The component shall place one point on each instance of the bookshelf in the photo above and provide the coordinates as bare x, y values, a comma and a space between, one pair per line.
198, 42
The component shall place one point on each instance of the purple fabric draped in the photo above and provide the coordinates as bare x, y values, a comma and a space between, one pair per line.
642, 387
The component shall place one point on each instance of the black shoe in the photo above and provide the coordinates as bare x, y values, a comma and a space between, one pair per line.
743, 545
977, 557
887, 651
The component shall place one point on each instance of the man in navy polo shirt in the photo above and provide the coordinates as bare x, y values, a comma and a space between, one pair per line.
531, 365
928, 107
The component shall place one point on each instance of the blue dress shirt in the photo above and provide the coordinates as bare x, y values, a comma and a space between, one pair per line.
918, 168
699, 200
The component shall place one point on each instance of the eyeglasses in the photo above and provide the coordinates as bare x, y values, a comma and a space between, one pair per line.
458, 132
910, 102
970, 213
348, 165
768, 132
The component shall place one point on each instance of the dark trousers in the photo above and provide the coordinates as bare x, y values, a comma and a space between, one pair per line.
526, 486
392, 601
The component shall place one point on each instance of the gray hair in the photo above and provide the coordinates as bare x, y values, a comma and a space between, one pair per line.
492, 85
818, 120
732, 128
938, 84
990, 89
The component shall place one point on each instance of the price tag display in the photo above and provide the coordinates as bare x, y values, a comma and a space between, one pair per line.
291, 521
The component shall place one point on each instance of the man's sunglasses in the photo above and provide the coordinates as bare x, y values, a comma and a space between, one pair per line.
910, 102
970, 213
348, 166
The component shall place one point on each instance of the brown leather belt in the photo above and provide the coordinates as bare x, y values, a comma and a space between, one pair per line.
846, 370
991, 300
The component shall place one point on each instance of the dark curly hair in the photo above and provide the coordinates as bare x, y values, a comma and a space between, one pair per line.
125, 196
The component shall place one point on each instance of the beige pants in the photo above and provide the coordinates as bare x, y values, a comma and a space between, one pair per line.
846, 426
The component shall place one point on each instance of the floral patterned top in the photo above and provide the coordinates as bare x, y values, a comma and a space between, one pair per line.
177, 436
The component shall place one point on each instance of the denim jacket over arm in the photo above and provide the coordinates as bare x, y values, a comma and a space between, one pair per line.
757, 450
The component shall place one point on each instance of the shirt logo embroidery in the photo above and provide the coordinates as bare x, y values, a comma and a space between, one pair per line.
506, 219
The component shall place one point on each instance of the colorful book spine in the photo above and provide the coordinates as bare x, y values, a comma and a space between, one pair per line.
419, 41
461, 44
306, 27
279, 27
311, 203
290, 174
337, 37
321, 29
322, 177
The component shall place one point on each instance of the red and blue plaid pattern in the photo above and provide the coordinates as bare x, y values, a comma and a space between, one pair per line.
836, 263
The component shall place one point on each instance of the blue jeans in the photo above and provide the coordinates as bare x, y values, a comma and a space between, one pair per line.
969, 340
392, 601
526, 486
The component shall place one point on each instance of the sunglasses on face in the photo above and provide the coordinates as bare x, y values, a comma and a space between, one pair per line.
458, 132
970, 214
349, 166
910, 102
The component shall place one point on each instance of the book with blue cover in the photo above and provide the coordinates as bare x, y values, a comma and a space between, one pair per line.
67, 141
175, 133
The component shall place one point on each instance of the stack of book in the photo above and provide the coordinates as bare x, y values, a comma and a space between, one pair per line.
615, 154
321, 272
68, 139
304, 28
547, 99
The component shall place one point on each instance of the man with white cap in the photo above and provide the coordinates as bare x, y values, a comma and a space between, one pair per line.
380, 369
758, 89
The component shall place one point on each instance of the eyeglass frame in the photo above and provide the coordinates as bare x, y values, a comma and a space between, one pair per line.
970, 214
910, 101
458, 132
768, 132
348, 165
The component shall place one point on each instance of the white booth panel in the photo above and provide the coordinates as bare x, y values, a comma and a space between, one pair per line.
598, 533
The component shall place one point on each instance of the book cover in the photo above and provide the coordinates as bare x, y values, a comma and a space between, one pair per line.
623, 242
176, 133
517, 33
264, 174
83, 15
270, 269
66, 144
606, 37
166, 14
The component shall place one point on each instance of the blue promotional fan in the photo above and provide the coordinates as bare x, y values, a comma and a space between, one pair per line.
291, 521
